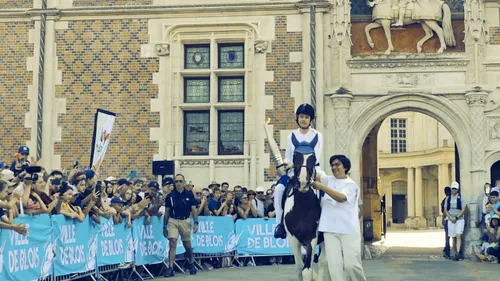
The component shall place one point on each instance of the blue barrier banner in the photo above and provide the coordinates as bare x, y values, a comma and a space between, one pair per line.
111, 242
256, 237
76, 245
150, 241
27, 257
213, 235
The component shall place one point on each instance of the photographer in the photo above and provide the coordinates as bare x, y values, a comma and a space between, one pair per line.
153, 194
19, 228
22, 163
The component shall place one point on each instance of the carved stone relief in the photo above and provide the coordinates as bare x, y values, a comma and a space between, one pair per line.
195, 162
408, 80
495, 129
229, 162
476, 100
162, 49
261, 46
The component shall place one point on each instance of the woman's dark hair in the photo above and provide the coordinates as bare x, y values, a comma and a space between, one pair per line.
491, 221
64, 187
344, 160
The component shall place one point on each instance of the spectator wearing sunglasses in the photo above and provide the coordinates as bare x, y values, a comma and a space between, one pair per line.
258, 201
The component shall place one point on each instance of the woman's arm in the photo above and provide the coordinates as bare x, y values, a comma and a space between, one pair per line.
254, 211
243, 214
337, 196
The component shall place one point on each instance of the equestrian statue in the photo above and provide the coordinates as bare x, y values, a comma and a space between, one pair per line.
405, 12
297, 204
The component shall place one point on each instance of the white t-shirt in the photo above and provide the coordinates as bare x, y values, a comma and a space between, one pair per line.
339, 217
308, 137
259, 206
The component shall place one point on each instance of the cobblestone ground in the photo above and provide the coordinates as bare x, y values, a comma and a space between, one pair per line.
375, 270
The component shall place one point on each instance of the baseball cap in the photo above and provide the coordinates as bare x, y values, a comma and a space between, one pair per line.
23, 150
110, 179
154, 185
167, 181
455, 185
3, 165
123, 181
89, 174
260, 189
117, 200
494, 193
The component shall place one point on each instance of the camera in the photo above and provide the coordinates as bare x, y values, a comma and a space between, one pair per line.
56, 181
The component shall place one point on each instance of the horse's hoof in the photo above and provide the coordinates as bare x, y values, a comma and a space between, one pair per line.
371, 44
388, 52
419, 49
440, 51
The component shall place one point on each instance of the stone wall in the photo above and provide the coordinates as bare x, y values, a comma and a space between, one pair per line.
15, 49
285, 72
102, 68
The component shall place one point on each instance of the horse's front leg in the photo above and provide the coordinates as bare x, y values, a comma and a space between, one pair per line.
307, 272
368, 28
386, 24
297, 254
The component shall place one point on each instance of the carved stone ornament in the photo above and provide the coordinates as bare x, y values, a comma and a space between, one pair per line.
495, 130
195, 162
229, 162
474, 19
476, 98
341, 25
162, 49
341, 100
261, 46
369, 64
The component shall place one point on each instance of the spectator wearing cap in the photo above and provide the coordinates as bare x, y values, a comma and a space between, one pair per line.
167, 185
454, 210
213, 185
21, 163
493, 207
153, 193
121, 211
3, 166
201, 202
179, 205
259, 202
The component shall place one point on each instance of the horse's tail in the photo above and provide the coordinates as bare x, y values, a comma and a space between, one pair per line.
449, 38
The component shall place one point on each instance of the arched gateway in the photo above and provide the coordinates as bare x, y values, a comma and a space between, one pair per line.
451, 115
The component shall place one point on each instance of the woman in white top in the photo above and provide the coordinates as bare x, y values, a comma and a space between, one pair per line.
340, 257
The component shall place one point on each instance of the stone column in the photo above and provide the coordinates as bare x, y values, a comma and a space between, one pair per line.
476, 99
419, 206
341, 102
411, 192
443, 180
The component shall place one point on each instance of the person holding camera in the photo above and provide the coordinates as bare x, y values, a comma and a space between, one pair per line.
19, 228
21, 163
179, 205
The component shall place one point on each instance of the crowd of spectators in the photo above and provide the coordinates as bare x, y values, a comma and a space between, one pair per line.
27, 188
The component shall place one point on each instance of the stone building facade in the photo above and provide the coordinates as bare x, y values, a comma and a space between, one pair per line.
194, 81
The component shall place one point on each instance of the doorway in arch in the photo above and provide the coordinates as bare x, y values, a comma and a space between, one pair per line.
495, 173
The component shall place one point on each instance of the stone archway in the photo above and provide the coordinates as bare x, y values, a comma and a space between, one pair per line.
440, 108
492, 162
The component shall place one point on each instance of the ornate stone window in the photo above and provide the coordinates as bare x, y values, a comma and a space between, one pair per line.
231, 132
398, 135
214, 98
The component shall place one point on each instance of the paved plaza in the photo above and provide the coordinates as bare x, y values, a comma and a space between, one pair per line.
375, 270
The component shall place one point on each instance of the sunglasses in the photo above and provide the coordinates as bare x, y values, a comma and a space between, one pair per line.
260, 192
198, 193
179, 181
251, 194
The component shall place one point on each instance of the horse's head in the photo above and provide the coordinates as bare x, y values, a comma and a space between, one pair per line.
304, 171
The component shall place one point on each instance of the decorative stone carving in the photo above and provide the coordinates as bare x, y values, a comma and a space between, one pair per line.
408, 80
378, 64
261, 46
474, 19
341, 21
162, 49
229, 162
476, 99
425, 12
495, 130
341, 101
194, 162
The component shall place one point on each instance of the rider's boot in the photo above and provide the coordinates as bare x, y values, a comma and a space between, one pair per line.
280, 232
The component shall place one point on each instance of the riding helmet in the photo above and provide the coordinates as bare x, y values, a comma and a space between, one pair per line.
306, 109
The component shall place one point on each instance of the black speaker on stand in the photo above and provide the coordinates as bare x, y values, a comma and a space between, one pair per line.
163, 168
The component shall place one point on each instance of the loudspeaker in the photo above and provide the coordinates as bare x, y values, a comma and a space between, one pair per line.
164, 167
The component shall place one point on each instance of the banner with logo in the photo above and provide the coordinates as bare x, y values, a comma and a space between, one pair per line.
112, 243
76, 245
151, 243
256, 237
27, 257
103, 125
213, 235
